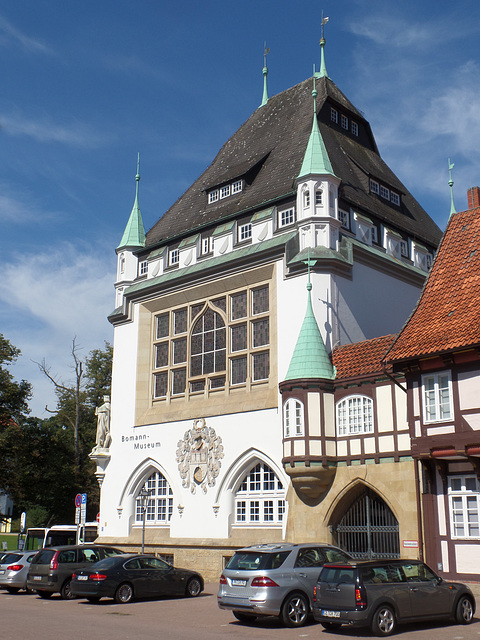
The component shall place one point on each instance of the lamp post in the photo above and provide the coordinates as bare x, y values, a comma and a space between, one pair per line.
143, 495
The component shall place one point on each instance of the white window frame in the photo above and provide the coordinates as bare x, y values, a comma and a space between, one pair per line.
173, 257
404, 248
354, 127
395, 198
225, 191
237, 186
374, 187
464, 507
333, 115
206, 245
318, 197
438, 396
213, 196
256, 505
354, 415
306, 199
344, 121
159, 502
245, 232
384, 192
286, 217
293, 418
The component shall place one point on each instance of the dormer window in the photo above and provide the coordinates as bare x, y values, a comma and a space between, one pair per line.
334, 115
344, 121
225, 191
395, 198
286, 217
213, 196
206, 245
143, 268
374, 187
245, 232
173, 257
237, 186
384, 192
344, 218
354, 127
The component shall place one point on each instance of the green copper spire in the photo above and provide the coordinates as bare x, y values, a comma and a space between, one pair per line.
315, 160
450, 184
310, 358
265, 74
323, 68
134, 234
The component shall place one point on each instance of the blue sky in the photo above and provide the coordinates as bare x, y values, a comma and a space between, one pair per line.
87, 85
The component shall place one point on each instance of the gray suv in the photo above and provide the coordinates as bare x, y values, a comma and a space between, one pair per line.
51, 569
382, 593
274, 580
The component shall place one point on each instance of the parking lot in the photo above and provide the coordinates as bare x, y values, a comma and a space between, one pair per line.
31, 618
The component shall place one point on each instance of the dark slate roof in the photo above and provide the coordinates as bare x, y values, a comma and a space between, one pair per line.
447, 315
268, 151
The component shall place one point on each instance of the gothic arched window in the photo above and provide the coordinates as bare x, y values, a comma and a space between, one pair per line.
159, 504
260, 498
208, 344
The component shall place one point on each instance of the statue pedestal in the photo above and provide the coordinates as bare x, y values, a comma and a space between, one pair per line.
101, 457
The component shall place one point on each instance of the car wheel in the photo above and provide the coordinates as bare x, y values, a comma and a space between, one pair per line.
13, 589
124, 593
383, 621
331, 626
248, 618
294, 612
45, 594
464, 611
93, 599
66, 591
194, 588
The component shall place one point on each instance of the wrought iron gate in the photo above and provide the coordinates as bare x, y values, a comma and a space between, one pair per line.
368, 529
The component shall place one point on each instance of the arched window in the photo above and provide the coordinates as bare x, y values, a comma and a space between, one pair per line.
293, 421
122, 263
319, 197
159, 504
355, 415
260, 499
306, 199
208, 344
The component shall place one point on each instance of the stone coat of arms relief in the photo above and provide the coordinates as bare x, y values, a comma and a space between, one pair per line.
198, 456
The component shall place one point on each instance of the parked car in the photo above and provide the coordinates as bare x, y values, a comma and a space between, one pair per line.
14, 567
274, 580
51, 569
382, 593
132, 576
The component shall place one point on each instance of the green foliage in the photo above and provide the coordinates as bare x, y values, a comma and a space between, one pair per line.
44, 462
14, 396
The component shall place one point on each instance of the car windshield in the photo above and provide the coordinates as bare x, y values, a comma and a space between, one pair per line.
336, 575
10, 558
254, 560
43, 557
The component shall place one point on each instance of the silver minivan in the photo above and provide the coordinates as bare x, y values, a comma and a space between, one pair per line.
275, 580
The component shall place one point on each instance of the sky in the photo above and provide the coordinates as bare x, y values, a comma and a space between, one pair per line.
85, 86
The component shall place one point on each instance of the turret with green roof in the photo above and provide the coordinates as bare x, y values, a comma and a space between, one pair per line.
134, 234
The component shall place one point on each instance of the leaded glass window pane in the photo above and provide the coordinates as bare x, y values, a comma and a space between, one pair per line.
180, 321
260, 300
163, 326
179, 381
260, 330
239, 305
161, 357
161, 384
261, 365
179, 351
239, 370
239, 337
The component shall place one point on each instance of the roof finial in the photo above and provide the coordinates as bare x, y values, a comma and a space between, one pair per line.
314, 94
450, 184
309, 263
323, 68
265, 73
134, 234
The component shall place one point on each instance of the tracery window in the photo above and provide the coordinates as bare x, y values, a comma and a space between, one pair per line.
260, 498
159, 504
212, 344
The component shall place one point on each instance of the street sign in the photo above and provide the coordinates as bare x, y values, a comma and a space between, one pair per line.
78, 499
83, 508
23, 521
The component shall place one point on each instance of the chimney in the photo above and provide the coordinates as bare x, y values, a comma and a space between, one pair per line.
473, 196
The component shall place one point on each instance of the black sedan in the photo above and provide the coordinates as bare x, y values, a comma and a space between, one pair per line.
129, 576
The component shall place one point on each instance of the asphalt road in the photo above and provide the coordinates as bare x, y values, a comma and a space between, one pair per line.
28, 617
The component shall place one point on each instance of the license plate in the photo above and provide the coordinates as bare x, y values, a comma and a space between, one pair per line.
330, 614
37, 577
82, 577
239, 583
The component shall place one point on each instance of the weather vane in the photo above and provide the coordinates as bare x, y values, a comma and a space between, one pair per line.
324, 22
266, 51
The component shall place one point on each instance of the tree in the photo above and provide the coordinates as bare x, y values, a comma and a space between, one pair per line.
14, 396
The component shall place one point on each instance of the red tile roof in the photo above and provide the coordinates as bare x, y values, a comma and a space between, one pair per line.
447, 316
361, 358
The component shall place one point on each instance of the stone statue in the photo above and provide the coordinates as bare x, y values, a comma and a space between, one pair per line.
103, 438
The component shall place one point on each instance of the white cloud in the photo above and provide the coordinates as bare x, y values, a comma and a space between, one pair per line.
17, 209
11, 35
48, 298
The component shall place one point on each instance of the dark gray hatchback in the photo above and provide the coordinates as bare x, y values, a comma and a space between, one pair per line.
382, 593
51, 569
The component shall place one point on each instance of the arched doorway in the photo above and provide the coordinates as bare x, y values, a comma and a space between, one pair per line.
368, 528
